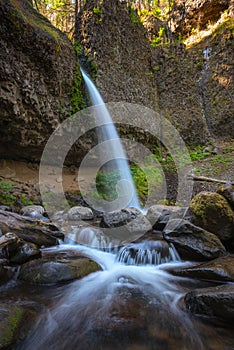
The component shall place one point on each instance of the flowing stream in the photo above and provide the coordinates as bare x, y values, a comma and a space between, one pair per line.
132, 303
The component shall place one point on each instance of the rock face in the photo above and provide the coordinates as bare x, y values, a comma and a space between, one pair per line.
213, 212
214, 301
188, 14
194, 93
37, 68
121, 50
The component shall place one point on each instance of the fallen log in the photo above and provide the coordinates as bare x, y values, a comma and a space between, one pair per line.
30, 230
209, 179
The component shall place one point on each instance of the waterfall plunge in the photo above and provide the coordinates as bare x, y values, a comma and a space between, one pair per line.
125, 186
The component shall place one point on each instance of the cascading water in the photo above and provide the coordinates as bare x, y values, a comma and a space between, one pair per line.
133, 303
109, 133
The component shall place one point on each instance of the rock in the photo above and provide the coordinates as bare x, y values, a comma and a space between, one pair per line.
192, 242
8, 239
16, 250
6, 272
80, 213
127, 224
187, 15
30, 230
59, 267
37, 81
33, 211
218, 270
159, 215
227, 191
215, 301
24, 253
148, 252
11, 319
213, 212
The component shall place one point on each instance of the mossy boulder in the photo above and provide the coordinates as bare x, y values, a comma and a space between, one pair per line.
212, 212
227, 191
57, 267
11, 318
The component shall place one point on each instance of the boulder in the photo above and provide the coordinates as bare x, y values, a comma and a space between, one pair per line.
11, 319
218, 270
192, 242
34, 211
57, 267
214, 301
80, 213
127, 224
30, 230
213, 212
159, 215
227, 191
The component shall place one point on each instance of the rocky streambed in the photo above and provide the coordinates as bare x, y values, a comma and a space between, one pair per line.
119, 277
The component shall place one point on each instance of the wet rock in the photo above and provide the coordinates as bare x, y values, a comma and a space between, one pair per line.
148, 252
192, 242
6, 272
159, 215
11, 319
80, 213
126, 224
215, 301
24, 253
227, 191
30, 230
34, 211
220, 269
16, 250
59, 267
213, 212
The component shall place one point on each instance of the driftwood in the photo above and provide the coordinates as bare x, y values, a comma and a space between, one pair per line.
28, 229
210, 179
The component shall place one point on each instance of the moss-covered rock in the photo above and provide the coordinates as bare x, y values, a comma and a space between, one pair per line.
11, 318
57, 267
227, 191
213, 212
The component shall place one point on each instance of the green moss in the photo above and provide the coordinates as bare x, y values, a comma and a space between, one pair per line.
77, 98
32, 18
10, 325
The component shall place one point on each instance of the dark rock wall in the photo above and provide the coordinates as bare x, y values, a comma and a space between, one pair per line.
37, 69
195, 94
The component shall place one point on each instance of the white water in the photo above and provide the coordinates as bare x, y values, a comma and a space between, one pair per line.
126, 184
115, 308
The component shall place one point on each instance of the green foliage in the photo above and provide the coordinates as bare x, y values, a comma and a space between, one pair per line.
97, 11
159, 40
134, 16
77, 98
147, 179
198, 153
6, 196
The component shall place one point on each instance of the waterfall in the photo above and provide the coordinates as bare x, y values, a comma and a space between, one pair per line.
108, 132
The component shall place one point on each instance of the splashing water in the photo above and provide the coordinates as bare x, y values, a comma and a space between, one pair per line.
116, 308
108, 132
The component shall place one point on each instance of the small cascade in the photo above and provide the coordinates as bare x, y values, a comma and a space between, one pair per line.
147, 252
108, 132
